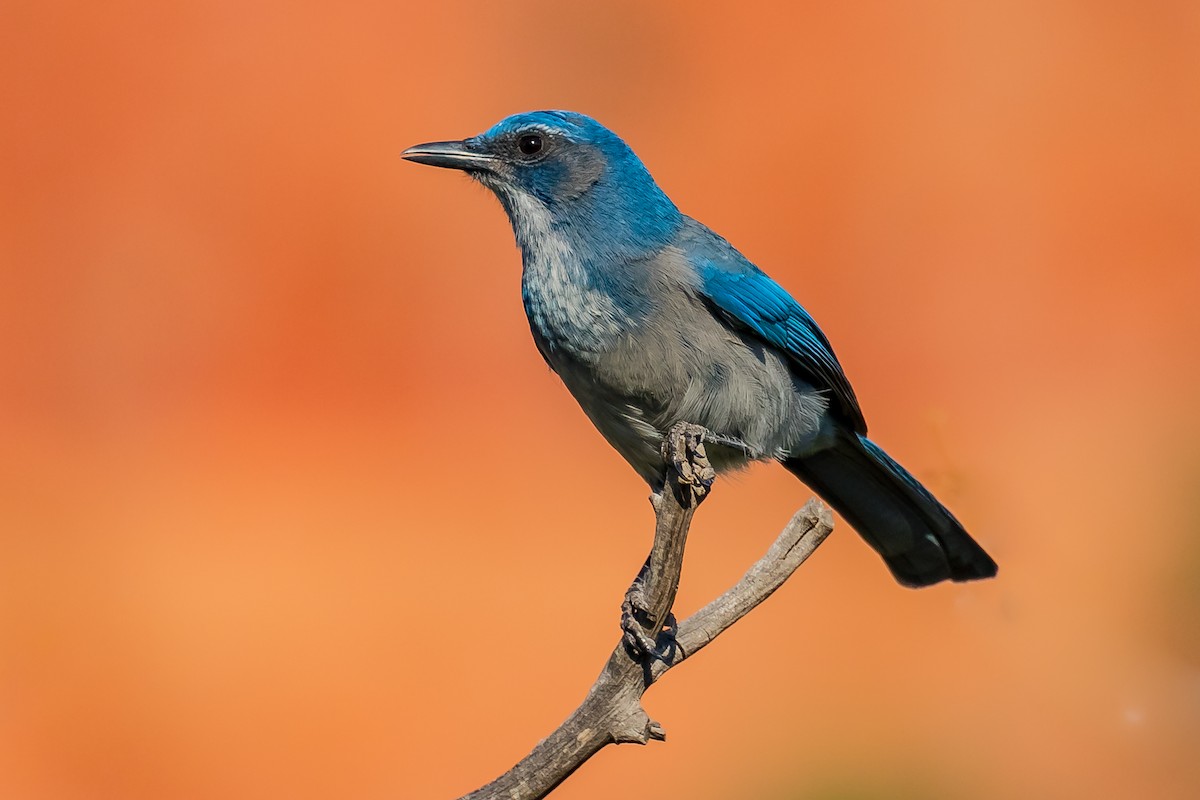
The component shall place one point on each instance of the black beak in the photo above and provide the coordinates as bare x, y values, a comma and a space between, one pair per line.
452, 155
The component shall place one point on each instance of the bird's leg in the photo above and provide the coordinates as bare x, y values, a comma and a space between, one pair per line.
635, 619
634, 609
683, 452
730, 442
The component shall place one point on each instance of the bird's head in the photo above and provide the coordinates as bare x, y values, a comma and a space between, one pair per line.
563, 171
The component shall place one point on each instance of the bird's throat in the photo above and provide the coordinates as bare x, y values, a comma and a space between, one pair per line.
567, 310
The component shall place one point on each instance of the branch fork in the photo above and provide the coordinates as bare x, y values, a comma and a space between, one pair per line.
653, 642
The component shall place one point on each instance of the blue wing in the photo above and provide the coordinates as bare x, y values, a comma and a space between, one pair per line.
749, 298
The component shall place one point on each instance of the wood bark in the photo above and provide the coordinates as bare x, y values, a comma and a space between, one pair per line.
612, 712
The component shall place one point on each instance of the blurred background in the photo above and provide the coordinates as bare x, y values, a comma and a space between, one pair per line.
291, 507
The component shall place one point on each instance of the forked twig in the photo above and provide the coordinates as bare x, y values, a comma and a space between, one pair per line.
612, 711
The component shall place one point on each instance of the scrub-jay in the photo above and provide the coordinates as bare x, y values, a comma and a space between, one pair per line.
651, 319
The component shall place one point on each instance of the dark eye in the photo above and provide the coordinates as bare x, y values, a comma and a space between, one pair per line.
530, 144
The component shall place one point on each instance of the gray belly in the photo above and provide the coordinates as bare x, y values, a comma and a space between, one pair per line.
682, 365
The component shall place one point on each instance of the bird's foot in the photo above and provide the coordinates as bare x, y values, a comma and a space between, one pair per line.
683, 449
635, 619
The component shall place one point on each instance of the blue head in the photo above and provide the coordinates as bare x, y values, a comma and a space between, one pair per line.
565, 171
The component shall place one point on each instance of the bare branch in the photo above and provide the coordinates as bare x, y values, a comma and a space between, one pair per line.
807, 528
612, 711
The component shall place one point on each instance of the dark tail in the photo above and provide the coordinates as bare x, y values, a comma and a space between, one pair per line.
919, 539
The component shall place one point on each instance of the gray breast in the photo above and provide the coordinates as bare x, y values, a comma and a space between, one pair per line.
640, 374
565, 312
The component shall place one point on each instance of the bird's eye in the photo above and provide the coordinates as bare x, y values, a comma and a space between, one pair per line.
530, 144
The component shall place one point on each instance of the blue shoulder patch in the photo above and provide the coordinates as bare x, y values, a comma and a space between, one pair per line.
752, 300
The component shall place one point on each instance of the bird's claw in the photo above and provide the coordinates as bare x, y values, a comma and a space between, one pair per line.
683, 449
639, 643
634, 609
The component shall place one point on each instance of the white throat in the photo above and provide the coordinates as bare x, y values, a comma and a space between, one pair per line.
564, 307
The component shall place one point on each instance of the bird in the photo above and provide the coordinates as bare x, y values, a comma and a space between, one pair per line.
650, 319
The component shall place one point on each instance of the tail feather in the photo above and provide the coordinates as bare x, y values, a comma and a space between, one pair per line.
919, 539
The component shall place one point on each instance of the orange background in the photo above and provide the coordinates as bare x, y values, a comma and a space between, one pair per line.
291, 507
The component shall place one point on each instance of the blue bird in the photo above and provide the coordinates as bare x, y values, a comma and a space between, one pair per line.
650, 319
